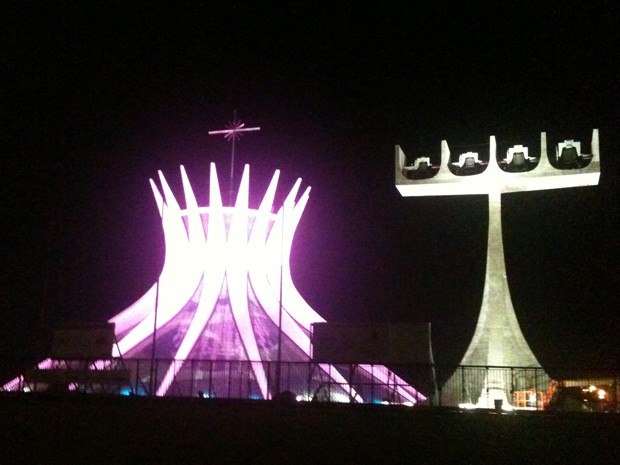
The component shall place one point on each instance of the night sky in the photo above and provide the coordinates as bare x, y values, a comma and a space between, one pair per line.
99, 96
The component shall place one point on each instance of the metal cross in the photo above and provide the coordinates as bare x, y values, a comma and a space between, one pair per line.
232, 133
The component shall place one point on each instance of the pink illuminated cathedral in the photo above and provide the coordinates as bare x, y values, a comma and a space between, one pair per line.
225, 295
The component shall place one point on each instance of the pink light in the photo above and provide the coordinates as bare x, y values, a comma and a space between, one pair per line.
217, 260
18, 383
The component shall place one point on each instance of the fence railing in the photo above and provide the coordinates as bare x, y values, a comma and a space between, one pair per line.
461, 386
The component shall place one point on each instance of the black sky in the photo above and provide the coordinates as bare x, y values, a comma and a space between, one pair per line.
98, 96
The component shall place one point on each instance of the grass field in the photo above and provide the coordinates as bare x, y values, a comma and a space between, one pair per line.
88, 429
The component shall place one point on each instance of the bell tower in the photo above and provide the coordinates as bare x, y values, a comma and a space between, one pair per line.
498, 359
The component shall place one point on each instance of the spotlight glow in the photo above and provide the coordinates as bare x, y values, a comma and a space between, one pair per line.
218, 297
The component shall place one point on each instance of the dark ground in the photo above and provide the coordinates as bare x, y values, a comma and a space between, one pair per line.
88, 429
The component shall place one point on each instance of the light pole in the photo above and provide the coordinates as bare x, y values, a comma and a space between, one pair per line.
279, 358
152, 382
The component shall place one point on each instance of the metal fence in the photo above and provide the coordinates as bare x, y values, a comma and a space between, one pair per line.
459, 386
484, 386
527, 388
223, 379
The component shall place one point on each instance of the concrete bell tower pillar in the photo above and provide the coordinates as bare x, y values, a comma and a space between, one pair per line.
498, 359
